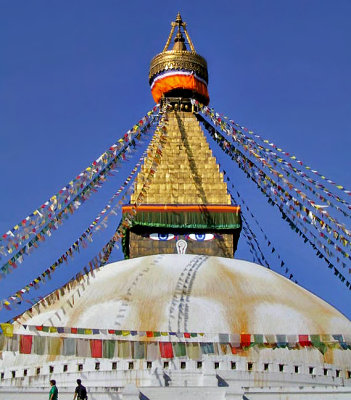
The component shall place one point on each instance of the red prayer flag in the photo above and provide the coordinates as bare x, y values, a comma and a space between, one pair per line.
245, 340
26, 344
166, 349
111, 331
233, 349
74, 330
149, 334
96, 348
187, 335
39, 328
304, 340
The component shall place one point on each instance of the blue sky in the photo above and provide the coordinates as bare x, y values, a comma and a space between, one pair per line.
74, 78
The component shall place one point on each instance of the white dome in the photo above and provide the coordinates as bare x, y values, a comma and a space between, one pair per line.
192, 293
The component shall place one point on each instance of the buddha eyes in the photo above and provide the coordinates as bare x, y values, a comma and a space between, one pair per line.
199, 237
161, 236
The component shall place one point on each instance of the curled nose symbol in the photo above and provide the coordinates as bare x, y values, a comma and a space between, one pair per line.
181, 246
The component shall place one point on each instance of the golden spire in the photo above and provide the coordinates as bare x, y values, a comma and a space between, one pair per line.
188, 172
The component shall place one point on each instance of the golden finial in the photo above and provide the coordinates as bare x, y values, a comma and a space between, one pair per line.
179, 60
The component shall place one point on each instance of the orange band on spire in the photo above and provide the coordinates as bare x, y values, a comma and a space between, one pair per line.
168, 83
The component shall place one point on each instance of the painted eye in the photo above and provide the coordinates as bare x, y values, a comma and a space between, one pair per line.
161, 236
201, 237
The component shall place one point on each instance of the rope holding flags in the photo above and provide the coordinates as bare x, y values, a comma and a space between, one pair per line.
286, 183
293, 158
104, 254
251, 236
59, 218
271, 189
46, 211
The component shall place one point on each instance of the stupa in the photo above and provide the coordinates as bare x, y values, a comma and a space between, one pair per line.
180, 317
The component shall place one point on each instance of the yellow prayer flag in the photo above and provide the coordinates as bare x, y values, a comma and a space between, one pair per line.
88, 331
125, 333
7, 329
164, 333
53, 329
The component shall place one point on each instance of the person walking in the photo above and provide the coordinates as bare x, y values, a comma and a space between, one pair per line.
80, 392
53, 394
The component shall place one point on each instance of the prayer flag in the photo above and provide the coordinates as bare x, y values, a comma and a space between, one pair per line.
26, 344
7, 329
96, 348
166, 349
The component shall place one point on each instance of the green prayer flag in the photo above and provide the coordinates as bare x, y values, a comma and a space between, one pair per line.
179, 349
108, 349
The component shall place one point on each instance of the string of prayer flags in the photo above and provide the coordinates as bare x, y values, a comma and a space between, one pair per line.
252, 239
220, 117
285, 203
47, 211
103, 257
289, 185
265, 182
108, 346
64, 215
154, 155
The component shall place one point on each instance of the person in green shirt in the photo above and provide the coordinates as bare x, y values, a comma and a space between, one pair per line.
53, 395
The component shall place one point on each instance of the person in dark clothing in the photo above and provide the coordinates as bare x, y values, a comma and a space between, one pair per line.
53, 395
80, 392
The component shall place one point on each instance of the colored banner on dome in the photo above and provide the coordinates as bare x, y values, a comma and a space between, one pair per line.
102, 343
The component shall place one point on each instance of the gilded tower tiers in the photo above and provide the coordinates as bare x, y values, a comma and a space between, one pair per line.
185, 207
188, 172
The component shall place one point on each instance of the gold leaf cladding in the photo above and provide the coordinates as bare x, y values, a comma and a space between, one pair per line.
188, 172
